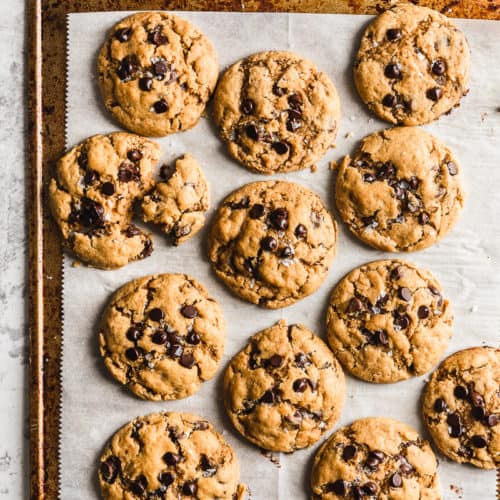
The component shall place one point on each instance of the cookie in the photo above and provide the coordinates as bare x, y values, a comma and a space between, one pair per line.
285, 389
169, 455
375, 458
461, 407
93, 193
156, 73
162, 336
178, 204
272, 242
276, 112
388, 321
412, 65
401, 191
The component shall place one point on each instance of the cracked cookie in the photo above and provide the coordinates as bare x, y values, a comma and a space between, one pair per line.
401, 191
178, 203
272, 242
412, 65
276, 112
162, 336
285, 389
169, 455
156, 73
388, 321
375, 458
92, 197
461, 407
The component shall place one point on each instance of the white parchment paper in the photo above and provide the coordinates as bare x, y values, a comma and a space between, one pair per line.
466, 262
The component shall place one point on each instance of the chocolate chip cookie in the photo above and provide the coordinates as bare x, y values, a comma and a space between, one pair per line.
285, 389
461, 407
276, 112
272, 242
388, 321
162, 336
401, 191
169, 455
156, 73
375, 458
92, 197
412, 65
178, 203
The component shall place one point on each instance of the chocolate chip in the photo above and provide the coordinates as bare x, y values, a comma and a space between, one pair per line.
401, 322
187, 360
279, 218
134, 155
452, 168
397, 273
358, 493
83, 159
423, 312
108, 189
269, 244
90, 177
404, 293
453, 419
133, 353
412, 206
434, 94
438, 67
396, 480
423, 218
287, 252
301, 360
243, 203
167, 171
275, 360
405, 467
349, 452
160, 67
110, 469
392, 71
393, 34
160, 338
268, 397
252, 132
465, 451
123, 34
369, 178
381, 337
476, 399
294, 121
160, 106
279, 91
156, 37
148, 249
301, 231
295, 101
414, 183
166, 478
128, 172
492, 420
247, 106
461, 392
300, 385
139, 485
374, 459
189, 488
91, 213
455, 428
208, 468
145, 83
369, 488
193, 338
389, 101
370, 221
339, 487
171, 458
257, 211
478, 441
478, 413
280, 147
355, 305
128, 67
189, 311
134, 334
156, 314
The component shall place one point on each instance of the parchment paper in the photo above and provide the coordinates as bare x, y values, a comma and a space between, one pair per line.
466, 261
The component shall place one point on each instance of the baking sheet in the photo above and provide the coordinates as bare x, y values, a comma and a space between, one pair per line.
466, 262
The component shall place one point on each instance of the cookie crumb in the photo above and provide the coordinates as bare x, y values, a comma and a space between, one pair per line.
348, 135
314, 168
473, 308
457, 490
484, 115
333, 165
271, 457
76, 263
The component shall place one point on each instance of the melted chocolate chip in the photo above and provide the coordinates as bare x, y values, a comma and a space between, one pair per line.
476, 399
128, 67
294, 121
269, 244
279, 91
438, 67
349, 452
160, 106
389, 101
392, 71
268, 397
423, 218
295, 101
167, 171
287, 252
369, 488
381, 337
208, 468
91, 213
452, 168
187, 360
275, 361
252, 132
171, 458
355, 305
301, 360
108, 189
404, 294
492, 420
110, 469
397, 273
134, 334
369, 178
396, 480
279, 218
90, 177
156, 37
193, 338
189, 311
133, 353
478, 413
423, 312
247, 106
160, 67
434, 94
301, 231
139, 485
257, 211
339, 487
461, 392
393, 34
370, 221
160, 338
128, 172
166, 478
281, 148
300, 385
145, 83
123, 34
478, 441
405, 467
156, 314
134, 155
